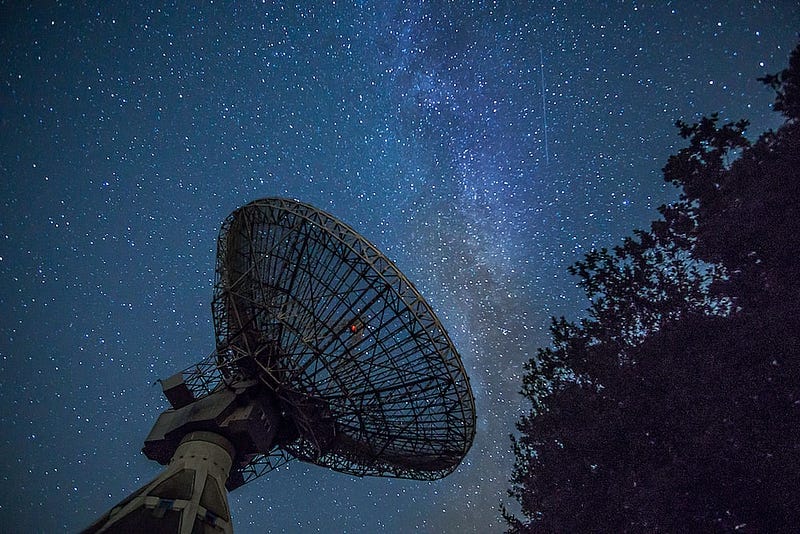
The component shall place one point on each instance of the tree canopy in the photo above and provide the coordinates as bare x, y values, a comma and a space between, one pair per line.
675, 404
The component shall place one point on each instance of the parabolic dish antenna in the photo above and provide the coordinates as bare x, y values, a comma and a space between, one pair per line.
325, 352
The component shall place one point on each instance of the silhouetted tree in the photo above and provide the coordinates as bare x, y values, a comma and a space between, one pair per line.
675, 405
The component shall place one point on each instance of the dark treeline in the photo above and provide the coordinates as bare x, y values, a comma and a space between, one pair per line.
675, 405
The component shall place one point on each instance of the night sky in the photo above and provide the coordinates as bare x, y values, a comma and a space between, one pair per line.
128, 134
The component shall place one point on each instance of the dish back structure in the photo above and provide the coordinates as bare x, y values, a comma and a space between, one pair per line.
361, 365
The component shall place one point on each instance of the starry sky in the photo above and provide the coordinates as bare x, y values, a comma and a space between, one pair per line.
483, 146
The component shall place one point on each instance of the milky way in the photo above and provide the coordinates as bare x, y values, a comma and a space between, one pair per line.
482, 146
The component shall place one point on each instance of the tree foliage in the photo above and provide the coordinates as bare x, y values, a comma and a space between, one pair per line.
675, 404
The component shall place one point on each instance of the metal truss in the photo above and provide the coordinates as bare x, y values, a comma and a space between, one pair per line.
365, 374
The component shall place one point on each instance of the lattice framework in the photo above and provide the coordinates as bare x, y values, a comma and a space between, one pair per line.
360, 364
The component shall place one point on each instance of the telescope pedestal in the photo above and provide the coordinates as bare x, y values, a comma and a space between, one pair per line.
188, 496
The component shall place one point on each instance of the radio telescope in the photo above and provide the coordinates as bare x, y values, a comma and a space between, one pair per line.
325, 352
